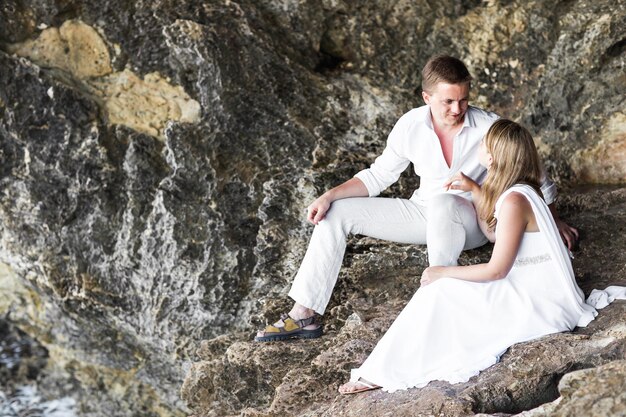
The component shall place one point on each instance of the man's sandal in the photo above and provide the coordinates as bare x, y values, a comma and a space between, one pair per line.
288, 328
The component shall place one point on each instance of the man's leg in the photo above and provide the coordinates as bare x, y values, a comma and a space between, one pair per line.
384, 218
452, 227
392, 219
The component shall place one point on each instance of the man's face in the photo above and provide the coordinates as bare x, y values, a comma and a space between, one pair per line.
448, 103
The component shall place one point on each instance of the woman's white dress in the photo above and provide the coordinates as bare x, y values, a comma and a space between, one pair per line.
452, 329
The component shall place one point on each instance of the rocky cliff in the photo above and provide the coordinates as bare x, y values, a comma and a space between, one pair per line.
157, 157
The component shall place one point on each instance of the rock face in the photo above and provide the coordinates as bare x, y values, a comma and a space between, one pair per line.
157, 156
125, 99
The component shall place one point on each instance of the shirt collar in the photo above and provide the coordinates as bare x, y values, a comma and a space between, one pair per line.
427, 119
468, 120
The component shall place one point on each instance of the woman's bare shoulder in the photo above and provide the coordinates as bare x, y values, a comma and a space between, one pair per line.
515, 203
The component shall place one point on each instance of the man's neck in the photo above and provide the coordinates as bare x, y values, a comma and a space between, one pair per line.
446, 128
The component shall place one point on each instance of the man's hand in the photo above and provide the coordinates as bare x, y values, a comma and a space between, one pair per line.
431, 274
462, 182
568, 233
354, 187
317, 210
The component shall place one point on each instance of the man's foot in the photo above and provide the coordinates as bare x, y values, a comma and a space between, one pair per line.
357, 386
288, 328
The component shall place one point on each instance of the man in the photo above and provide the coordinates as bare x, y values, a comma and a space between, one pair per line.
440, 138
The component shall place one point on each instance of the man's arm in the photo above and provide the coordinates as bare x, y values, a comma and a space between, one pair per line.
389, 165
568, 233
369, 182
354, 187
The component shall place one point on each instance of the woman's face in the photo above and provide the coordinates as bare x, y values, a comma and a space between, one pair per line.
484, 157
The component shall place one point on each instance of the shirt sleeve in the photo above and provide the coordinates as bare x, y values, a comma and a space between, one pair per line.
548, 188
387, 168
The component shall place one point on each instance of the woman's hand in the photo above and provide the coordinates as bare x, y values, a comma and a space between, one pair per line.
462, 182
432, 274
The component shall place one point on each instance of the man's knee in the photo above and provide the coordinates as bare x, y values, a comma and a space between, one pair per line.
340, 216
338, 211
444, 205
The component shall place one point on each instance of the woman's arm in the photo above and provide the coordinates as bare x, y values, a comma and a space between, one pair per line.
513, 220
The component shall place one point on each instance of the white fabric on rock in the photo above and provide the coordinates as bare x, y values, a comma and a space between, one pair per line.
602, 298
452, 329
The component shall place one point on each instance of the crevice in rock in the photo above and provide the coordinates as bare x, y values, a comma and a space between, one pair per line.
66, 11
336, 43
618, 49
328, 63
463, 7
544, 390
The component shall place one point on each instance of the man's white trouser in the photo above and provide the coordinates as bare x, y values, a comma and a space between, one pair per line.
447, 225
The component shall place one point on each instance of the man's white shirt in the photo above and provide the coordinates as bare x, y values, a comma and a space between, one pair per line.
413, 140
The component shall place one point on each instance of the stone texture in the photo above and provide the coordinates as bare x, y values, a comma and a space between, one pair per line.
155, 200
145, 105
594, 392
21, 358
605, 162
74, 47
590, 392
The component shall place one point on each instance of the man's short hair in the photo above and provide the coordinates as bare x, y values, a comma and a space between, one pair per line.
444, 68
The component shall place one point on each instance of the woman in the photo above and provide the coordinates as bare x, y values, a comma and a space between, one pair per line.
464, 317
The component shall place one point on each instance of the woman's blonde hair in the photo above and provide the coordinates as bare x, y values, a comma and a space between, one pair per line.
515, 161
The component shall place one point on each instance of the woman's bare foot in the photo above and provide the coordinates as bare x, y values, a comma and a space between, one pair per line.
357, 386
